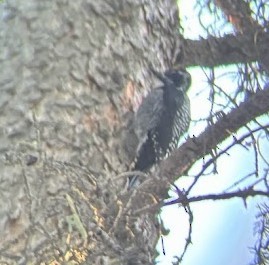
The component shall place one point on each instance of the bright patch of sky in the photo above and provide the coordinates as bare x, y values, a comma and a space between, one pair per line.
194, 20
222, 230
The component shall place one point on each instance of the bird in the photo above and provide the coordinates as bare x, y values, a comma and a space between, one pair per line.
162, 117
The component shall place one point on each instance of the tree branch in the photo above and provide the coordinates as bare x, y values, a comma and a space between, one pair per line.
182, 159
238, 13
224, 196
226, 50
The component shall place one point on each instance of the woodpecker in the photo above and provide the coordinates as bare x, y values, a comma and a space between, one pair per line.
163, 116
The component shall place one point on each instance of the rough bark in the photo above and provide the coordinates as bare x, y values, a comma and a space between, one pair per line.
68, 74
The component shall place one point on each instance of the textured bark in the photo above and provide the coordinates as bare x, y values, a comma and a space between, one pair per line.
69, 71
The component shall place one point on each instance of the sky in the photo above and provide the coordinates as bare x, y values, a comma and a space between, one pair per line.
223, 232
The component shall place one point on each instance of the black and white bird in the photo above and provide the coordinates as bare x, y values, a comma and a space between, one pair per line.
163, 116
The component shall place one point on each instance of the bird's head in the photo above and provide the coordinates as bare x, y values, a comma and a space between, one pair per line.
180, 78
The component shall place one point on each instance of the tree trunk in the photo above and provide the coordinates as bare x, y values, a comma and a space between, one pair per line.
71, 75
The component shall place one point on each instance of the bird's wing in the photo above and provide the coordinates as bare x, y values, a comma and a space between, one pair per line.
149, 113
